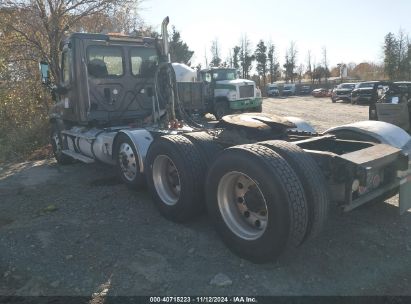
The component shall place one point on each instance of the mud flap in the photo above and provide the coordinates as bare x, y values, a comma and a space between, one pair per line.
405, 196
396, 114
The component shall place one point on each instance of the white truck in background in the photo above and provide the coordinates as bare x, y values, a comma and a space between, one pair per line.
217, 91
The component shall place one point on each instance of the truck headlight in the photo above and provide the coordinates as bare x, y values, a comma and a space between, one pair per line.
232, 95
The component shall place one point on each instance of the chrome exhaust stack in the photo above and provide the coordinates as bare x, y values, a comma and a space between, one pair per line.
164, 35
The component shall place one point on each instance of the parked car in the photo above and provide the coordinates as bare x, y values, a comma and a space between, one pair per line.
305, 90
321, 92
272, 90
405, 86
365, 92
288, 89
342, 92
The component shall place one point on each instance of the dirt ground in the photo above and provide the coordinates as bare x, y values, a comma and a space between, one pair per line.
76, 230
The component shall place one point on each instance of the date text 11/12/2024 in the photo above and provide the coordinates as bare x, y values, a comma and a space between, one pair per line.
203, 299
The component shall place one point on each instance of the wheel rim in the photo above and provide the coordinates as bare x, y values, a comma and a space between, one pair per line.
242, 205
127, 161
166, 180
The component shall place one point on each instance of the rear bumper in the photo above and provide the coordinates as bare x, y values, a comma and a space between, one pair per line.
402, 186
361, 99
345, 97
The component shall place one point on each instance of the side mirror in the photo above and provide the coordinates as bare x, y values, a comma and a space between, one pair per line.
44, 72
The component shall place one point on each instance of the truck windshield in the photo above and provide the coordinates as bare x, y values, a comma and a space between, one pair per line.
224, 74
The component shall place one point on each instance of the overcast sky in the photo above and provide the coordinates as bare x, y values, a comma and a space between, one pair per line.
351, 30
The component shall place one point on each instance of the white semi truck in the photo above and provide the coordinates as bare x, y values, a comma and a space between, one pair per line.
217, 91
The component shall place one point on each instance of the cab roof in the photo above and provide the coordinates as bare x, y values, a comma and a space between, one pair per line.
113, 37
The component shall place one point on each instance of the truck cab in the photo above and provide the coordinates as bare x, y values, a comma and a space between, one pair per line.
226, 93
105, 80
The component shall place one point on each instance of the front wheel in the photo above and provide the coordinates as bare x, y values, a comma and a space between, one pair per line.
258, 109
56, 140
127, 164
221, 109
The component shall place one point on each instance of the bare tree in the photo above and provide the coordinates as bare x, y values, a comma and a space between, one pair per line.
246, 57
326, 71
309, 71
215, 53
40, 25
290, 61
402, 52
300, 71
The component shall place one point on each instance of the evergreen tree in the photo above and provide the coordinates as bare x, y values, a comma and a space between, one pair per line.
272, 63
390, 56
261, 58
179, 50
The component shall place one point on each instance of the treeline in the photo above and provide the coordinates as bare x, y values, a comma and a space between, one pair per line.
264, 58
397, 56
267, 65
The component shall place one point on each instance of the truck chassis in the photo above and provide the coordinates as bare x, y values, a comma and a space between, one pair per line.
266, 183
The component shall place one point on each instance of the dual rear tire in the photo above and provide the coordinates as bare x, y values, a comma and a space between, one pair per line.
176, 171
257, 202
263, 198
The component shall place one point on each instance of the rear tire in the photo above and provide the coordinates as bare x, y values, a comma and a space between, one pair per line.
312, 179
127, 163
256, 202
206, 145
57, 145
175, 177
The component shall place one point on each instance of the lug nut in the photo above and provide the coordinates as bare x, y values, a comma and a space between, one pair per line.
247, 214
240, 186
257, 223
240, 200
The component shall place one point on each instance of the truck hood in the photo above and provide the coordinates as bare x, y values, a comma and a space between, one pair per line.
236, 82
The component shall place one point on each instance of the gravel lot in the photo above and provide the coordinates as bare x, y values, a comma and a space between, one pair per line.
75, 230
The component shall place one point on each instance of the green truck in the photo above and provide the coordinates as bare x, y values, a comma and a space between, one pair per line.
218, 91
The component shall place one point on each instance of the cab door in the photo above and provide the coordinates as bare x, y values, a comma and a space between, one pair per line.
66, 92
